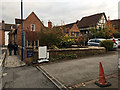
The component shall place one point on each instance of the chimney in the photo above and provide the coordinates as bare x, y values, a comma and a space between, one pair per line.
3, 24
108, 17
49, 24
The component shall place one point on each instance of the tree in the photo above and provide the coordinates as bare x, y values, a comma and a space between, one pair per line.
51, 37
107, 32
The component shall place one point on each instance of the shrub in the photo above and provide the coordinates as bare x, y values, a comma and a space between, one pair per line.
63, 56
108, 44
53, 47
50, 38
66, 42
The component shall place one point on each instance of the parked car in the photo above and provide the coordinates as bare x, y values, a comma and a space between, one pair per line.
117, 40
97, 41
94, 42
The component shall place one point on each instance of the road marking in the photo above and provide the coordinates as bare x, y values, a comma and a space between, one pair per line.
52, 79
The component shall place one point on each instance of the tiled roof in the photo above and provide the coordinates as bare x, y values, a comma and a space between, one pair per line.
91, 20
69, 25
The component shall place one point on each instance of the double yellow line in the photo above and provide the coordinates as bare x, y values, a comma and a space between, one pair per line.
2, 58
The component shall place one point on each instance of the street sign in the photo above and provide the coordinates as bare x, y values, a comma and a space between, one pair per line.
29, 53
42, 52
43, 55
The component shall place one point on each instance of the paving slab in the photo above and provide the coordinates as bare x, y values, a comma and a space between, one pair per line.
13, 61
76, 71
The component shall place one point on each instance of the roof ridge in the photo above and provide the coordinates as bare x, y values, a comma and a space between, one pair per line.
94, 15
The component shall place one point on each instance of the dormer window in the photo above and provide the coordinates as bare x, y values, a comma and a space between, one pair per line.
32, 27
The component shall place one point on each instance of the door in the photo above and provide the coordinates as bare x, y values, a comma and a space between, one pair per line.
6, 38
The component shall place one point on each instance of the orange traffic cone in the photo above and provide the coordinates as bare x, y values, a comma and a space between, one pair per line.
102, 81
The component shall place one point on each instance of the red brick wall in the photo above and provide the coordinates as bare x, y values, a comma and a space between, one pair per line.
74, 29
2, 34
2, 37
31, 19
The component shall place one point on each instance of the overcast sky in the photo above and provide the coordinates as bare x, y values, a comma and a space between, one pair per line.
58, 10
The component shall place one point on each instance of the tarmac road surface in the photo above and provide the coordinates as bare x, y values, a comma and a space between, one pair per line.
76, 71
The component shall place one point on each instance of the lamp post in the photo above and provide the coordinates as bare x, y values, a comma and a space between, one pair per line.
22, 29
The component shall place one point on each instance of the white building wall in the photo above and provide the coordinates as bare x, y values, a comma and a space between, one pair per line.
6, 38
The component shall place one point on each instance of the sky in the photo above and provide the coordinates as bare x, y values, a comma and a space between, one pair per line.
58, 11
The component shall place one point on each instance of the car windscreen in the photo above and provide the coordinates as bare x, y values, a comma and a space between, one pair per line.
98, 41
92, 41
119, 39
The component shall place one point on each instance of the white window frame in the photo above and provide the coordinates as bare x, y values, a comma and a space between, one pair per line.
35, 43
27, 43
34, 27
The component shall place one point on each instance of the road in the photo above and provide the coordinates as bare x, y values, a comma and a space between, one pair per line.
68, 72
76, 71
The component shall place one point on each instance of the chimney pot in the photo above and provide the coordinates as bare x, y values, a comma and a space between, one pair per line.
49, 24
3, 24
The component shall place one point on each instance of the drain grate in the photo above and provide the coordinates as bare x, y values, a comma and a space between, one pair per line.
56, 82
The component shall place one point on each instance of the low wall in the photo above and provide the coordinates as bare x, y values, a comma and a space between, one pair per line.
26, 59
80, 52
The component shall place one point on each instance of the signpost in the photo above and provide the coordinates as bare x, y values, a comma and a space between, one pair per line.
22, 29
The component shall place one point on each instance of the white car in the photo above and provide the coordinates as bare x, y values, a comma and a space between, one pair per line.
97, 41
94, 42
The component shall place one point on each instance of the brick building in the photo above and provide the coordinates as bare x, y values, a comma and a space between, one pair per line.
83, 26
31, 28
93, 21
116, 24
72, 29
4, 32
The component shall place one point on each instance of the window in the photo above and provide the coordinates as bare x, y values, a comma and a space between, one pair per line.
72, 33
77, 34
92, 40
98, 41
36, 44
32, 27
28, 43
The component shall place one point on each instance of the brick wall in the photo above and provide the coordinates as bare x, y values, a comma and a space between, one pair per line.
74, 29
80, 52
2, 37
2, 34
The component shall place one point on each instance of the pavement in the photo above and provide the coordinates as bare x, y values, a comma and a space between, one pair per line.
25, 77
13, 61
18, 75
78, 71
